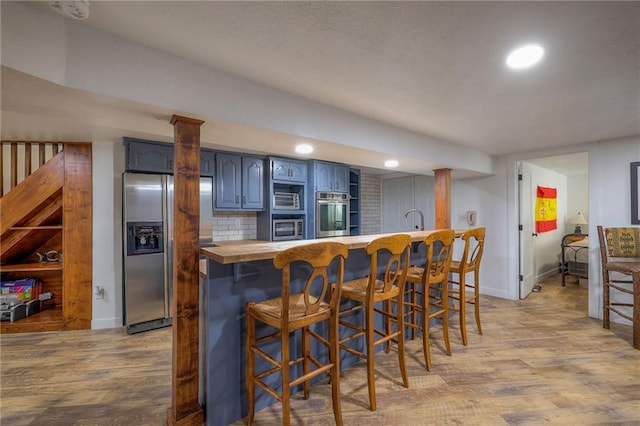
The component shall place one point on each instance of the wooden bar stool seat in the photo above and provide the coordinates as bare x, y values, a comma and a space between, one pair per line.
425, 295
318, 302
386, 287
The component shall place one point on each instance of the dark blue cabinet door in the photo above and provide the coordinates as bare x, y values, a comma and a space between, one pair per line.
331, 177
281, 170
151, 157
298, 171
289, 170
207, 163
341, 183
228, 181
324, 176
157, 157
252, 183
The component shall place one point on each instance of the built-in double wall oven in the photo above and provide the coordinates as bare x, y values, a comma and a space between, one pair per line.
332, 214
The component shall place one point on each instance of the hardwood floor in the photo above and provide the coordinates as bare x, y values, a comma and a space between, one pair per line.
536, 363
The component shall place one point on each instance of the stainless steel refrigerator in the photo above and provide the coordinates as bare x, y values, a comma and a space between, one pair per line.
148, 246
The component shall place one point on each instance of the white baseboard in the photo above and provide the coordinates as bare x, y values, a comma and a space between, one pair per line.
495, 292
543, 276
103, 323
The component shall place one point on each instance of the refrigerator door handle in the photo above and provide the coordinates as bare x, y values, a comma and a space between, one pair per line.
167, 214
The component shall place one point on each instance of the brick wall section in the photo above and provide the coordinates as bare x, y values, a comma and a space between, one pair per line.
234, 226
370, 222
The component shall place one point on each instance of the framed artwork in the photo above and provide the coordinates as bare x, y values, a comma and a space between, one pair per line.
635, 193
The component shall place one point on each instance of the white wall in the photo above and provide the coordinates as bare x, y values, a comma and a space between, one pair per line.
47, 48
577, 200
107, 236
609, 204
487, 196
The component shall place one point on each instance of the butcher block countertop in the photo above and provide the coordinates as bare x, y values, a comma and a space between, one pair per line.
226, 252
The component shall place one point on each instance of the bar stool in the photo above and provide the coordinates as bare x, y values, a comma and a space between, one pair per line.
425, 296
318, 302
621, 275
368, 291
469, 262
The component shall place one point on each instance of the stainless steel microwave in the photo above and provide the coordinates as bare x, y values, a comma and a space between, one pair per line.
286, 201
288, 229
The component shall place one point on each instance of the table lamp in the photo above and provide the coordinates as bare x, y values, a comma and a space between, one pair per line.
578, 220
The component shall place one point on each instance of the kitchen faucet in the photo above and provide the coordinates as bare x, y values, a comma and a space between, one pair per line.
421, 217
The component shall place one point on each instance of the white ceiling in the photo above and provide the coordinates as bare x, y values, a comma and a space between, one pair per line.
436, 68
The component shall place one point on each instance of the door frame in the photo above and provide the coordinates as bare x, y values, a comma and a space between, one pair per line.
526, 234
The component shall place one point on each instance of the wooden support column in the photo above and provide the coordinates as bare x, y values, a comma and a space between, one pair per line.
185, 409
442, 193
77, 236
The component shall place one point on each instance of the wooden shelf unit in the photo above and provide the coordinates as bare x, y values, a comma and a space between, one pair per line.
49, 319
35, 228
32, 267
35, 213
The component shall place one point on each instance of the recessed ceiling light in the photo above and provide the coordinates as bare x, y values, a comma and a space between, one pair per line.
525, 56
391, 163
304, 149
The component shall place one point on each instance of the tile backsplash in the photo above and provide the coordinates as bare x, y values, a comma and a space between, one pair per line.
234, 226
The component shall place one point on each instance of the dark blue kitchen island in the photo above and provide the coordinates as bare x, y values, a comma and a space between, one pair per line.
239, 272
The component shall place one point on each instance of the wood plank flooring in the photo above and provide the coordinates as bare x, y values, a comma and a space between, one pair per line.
540, 360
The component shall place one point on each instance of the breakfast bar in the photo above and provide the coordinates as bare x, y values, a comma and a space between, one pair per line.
239, 272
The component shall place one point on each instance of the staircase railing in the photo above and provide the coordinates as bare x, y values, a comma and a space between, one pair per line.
18, 159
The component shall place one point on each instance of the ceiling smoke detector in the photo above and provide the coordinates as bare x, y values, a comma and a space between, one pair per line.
76, 9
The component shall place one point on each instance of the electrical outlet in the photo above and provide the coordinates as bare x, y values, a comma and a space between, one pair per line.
237, 223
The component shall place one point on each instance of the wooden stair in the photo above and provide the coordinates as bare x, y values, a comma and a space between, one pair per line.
31, 213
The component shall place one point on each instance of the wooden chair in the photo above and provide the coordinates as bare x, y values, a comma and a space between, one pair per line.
297, 311
621, 244
370, 290
468, 263
427, 297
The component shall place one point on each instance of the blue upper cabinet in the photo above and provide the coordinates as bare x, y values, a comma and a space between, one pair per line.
289, 170
228, 181
252, 183
207, 162
148, 156
324, 176
239, 182
331, 177
157, 157
341, 178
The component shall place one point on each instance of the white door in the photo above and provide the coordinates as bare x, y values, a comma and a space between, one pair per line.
397, 198
424, 199
527, 232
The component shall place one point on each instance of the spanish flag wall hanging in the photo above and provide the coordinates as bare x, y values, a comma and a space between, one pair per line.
546, 209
